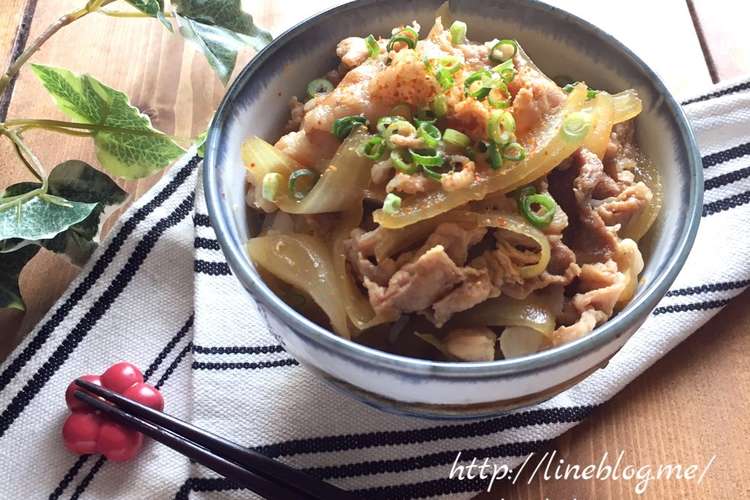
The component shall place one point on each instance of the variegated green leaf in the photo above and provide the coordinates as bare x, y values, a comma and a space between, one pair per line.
126, 143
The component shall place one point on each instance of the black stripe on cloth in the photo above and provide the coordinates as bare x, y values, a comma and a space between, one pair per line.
723, 286
211, 268
244, 349
409, 490
97, 270
726, 155
725, 204
730, 90
168, 348
426, 435
256, 365
92, 316
201, 220
205, 485
728, 178
694, 306
68, 477
73, 471
425, 489
173, 366
206, 244
81, 488
400, 465
389, 438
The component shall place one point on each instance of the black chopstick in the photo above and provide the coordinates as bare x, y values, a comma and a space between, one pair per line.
212, 450
257, 483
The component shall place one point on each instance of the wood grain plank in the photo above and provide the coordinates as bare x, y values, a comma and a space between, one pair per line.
137, 56
660, 32
691, 405
12, 328
724, 25
12, 11
13, 37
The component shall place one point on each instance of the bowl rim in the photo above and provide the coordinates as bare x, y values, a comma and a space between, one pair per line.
639, 307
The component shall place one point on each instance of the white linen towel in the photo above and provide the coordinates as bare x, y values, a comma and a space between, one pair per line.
158, 293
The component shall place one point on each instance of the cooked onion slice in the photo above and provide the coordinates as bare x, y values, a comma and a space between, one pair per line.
602, 114
465, 344
535, 312
517, 341
305, 263
341, 184
627, 105
545, 150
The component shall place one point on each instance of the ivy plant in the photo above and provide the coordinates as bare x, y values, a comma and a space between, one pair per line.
62, 208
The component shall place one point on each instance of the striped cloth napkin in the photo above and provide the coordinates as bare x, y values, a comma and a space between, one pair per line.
159, 293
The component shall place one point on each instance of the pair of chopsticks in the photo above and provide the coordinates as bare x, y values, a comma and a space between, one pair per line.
266, 477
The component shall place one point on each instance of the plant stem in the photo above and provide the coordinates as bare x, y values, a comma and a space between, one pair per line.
30, 159
58, 125
127, 13
62, 130
15, 66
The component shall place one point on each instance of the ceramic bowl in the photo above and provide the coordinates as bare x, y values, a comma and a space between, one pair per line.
559, 43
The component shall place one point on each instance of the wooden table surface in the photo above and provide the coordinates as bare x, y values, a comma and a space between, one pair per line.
691, 405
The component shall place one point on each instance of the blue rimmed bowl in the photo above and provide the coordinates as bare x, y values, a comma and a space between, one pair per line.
559, 43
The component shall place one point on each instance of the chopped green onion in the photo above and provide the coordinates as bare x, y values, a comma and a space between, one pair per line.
342, 127
524, 192
399, 127
372, 46
503, 50
270, 187
429, 133
403, 110
407, 167
439, 106
450, 63
545, 202
591, 93
429, 158
458, 32
410, 31
391, 204
474, 85
385, 121
424, 115
575, 126
410, 42
452, 136
501, 126
493, 154
429, 172
506, 70
444, 78
302, 172
373, 148
499, 97
569, 87
514, 152
319, 86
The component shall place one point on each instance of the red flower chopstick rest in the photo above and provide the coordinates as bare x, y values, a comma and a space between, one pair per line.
86, 431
